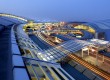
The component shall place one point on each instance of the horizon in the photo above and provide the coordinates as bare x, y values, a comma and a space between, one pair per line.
63, 10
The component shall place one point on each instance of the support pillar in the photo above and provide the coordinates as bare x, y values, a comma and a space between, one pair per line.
82, 54
97, 58
96, 35
103, 59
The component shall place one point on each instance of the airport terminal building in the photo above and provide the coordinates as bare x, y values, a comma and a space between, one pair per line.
29, 54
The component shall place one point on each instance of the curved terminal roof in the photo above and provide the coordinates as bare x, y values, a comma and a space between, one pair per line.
99, 25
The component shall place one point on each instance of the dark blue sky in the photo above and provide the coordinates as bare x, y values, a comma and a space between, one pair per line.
61, 10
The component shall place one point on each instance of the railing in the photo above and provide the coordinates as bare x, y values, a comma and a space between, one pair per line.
17, 58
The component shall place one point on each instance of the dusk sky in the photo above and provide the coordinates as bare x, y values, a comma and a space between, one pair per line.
58, 10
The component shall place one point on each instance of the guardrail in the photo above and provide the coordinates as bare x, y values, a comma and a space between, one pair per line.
18, 64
